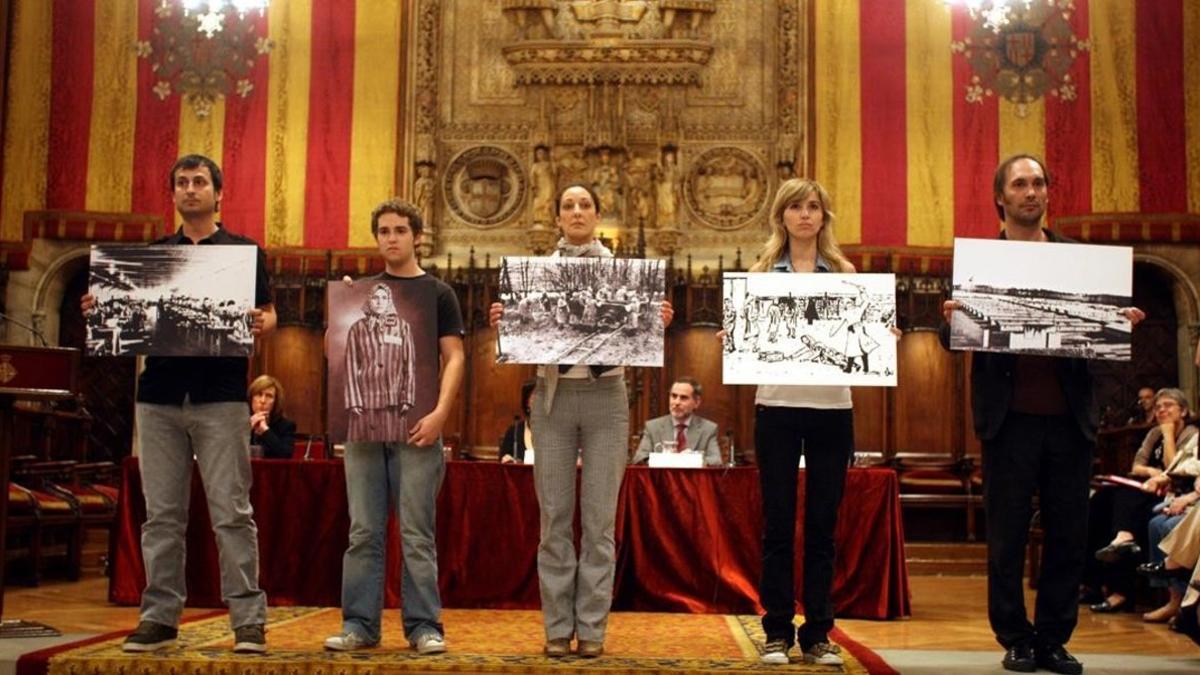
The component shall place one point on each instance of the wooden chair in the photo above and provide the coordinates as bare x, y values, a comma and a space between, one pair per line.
57, 518
940, 482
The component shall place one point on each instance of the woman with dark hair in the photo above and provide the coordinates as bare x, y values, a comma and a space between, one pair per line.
268, 427
519, 436
578, 411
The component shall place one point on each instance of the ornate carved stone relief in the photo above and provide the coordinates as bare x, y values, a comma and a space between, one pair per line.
682, 115
726, 188
484, 186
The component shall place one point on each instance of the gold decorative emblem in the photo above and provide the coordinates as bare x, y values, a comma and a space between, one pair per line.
1026, 58
484, 185
726, 187
202, 57
7, 371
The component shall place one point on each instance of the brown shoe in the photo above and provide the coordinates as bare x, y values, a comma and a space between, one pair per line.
558, 647
590, 649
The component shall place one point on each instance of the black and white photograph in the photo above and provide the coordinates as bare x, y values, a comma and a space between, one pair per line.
590, 311
1030, 298
171, 300
811, 329
383, 358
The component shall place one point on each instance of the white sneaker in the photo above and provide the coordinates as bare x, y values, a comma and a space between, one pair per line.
774, 653
430, 643
824, 654
347, 642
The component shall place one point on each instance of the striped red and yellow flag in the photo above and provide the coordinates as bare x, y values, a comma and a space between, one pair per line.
315, 143
306, 154
909, 159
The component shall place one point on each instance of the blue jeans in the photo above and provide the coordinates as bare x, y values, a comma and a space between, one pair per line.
378, 476
1160, 526
215, 435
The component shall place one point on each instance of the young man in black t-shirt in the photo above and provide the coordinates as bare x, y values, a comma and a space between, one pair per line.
404, 473
195, 407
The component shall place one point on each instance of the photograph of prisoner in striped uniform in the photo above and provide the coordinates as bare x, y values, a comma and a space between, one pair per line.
380, 349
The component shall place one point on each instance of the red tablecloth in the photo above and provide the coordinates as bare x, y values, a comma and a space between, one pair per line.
688, 540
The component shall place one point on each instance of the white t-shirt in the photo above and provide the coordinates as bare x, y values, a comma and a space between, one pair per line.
803, 396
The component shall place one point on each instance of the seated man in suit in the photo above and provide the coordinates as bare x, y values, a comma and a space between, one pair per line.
688, 430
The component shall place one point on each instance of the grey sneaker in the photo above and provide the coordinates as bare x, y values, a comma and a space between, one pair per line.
250, 639
430, 643
150, 637
824, 654
347, 642
775, 653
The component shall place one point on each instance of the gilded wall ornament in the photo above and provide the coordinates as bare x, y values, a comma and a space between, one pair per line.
202, 67
1025, 59
726, 188
484, 185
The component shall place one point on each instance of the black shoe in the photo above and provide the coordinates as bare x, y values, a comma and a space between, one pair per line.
250, 639
1090, 596
1058, 660
1159, 570
1115, 553
1021, 658
1188, 622
150, 637
1107, 607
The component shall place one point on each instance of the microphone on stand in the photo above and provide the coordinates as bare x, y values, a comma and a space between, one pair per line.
516, 443
27, 327
732, 449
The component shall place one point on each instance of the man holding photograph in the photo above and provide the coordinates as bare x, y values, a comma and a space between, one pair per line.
405, 471
195, 406
1036, 418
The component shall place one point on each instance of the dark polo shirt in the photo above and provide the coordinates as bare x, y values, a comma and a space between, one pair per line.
202, 379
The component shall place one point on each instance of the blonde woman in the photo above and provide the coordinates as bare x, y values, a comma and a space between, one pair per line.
268, 427
819, 419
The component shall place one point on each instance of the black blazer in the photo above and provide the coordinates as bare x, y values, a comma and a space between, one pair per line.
992, 384
278, 441
513, 442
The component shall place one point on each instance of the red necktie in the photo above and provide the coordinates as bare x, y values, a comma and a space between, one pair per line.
680, 438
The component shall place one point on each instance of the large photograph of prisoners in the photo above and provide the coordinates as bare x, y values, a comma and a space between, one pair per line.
590, 311
1034, 298
171, 300
383, 358
811, 329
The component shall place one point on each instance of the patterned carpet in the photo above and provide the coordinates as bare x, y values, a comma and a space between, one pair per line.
479, 641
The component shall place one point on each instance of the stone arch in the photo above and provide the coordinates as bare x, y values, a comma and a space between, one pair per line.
48, 292
1187, 315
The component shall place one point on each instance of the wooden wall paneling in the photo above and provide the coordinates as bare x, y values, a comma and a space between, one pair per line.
495, 394
871, 419
925, 395
970, 443
696, 353
295, 355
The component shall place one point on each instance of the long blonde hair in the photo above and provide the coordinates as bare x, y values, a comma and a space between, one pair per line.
790, 191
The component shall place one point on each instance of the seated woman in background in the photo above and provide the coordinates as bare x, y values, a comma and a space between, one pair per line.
519, 436
1182, 565
268, 427
1165, 448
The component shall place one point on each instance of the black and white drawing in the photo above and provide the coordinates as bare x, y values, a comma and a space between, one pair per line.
383, 359
1027, 297
812, 329
171, 300
591, 311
